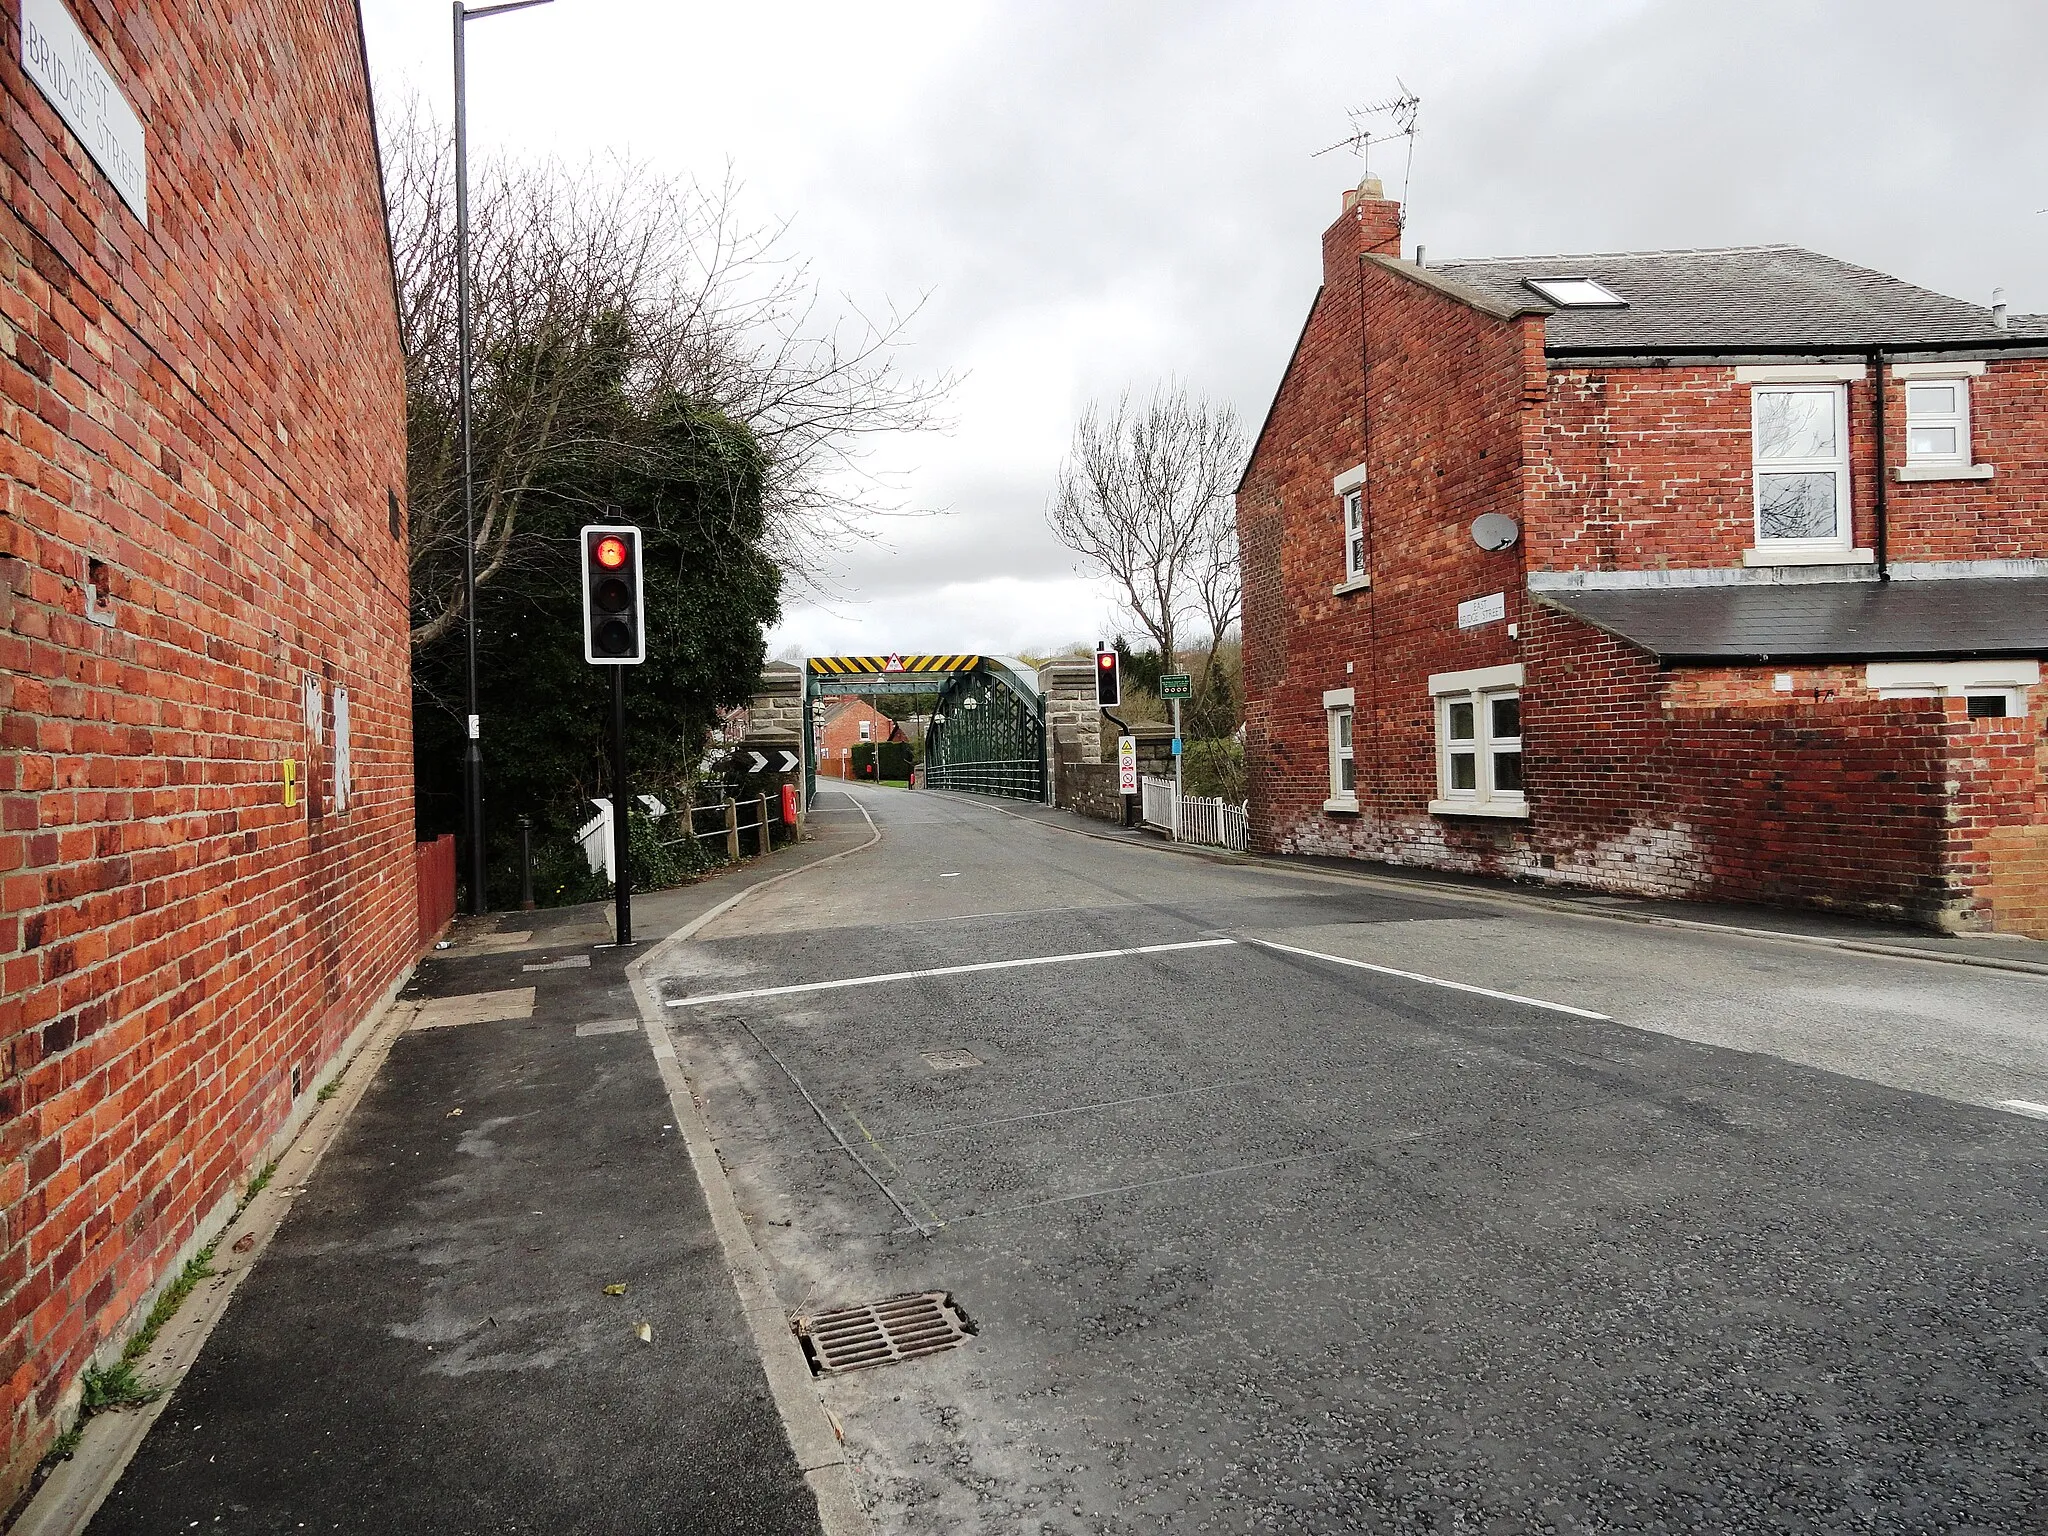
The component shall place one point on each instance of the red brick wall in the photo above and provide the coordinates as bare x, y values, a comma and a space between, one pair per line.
1431, 396
214, 407
1640, 468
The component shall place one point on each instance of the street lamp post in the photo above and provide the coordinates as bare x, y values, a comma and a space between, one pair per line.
473, 765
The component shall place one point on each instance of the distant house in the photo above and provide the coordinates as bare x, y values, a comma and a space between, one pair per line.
1711, 574
846, 723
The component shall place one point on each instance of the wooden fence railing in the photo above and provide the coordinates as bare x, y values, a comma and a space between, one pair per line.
433, 866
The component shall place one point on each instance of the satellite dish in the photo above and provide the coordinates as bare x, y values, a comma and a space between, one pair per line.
1494, 530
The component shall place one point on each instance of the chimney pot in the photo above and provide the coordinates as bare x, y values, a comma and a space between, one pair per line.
1998, 309
1367, 191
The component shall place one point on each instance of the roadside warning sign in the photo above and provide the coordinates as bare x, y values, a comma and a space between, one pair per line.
1127, 765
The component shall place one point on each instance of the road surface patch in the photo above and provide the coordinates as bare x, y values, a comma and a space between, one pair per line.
962, 970
474, 1008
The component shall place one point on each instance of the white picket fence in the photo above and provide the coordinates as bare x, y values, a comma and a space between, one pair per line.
1215, 823
1157, 795
1199, 819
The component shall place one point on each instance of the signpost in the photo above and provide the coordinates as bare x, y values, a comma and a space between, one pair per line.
1127, 765
1176, 686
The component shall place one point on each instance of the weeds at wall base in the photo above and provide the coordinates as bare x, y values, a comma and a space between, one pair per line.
120, 1385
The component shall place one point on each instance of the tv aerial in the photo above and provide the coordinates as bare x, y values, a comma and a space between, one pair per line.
1398, 114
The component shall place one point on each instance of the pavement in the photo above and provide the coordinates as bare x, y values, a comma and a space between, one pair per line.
1282, 1202
427, 1343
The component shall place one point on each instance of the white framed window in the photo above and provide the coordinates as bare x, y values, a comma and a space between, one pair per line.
1349, 489
1479, 743
1354, 535
1938, 423
1338, 720
1799, 436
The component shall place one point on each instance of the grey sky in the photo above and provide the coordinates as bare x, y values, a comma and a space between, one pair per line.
1094, 195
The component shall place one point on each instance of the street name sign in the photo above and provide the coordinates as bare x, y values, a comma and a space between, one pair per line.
57, 55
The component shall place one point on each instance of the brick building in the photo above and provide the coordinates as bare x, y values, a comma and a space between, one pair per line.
202, 579
843, 725
1705, 574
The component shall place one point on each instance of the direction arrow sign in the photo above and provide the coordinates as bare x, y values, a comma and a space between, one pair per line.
760, 763
788, 761
1176, 685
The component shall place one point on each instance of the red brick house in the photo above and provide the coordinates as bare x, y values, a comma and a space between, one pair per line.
847, 723
1705, 574
202, 579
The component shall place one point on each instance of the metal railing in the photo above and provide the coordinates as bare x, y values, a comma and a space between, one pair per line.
1013, 778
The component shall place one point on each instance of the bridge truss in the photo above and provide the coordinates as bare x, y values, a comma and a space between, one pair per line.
985, 734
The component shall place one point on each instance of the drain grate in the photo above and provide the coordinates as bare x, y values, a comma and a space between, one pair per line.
883, 1332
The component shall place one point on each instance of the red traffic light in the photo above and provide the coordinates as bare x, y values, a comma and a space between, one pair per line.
610, 552
1105, 659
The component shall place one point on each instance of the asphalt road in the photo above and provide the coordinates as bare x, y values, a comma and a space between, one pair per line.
1261, 1241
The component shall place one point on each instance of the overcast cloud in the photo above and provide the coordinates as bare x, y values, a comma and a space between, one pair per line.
1100, 195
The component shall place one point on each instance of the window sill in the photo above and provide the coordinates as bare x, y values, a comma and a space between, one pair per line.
1344, 805
1766, 556
1517, 810
1912, 473
1355, 584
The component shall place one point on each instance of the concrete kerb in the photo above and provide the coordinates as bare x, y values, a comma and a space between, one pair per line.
1267, 864
813, 1435
74, 1491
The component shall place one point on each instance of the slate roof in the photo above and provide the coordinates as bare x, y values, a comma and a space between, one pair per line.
1763, 295
1833, 620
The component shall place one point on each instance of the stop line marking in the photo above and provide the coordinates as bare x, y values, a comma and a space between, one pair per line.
704, 998
1436, 981
944, 970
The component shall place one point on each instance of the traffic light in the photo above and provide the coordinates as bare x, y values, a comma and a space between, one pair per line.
1109, 691
614, 606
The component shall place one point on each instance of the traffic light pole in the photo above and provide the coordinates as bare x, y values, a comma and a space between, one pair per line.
622, 878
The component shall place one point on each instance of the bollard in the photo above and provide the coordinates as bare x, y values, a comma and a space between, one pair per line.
732, 830
761, 803
526, 863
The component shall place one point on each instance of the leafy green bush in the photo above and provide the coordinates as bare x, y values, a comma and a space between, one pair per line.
1215, 768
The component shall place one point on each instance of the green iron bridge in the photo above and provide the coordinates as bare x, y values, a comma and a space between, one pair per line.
986, 732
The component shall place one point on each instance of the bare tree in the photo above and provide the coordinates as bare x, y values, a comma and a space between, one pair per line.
1144, 496
610, 277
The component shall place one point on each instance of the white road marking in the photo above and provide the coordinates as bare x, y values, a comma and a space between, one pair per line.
1435, 981
951, 875
944, 970
2025, 1107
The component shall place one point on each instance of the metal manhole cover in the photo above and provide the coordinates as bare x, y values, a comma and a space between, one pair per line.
951, 1059
883, 1332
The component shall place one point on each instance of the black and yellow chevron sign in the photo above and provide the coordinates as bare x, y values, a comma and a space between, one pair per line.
858, 666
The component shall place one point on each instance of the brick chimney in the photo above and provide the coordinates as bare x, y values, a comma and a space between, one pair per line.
1370, 222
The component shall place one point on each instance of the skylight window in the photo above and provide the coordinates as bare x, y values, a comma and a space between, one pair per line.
1576, 293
